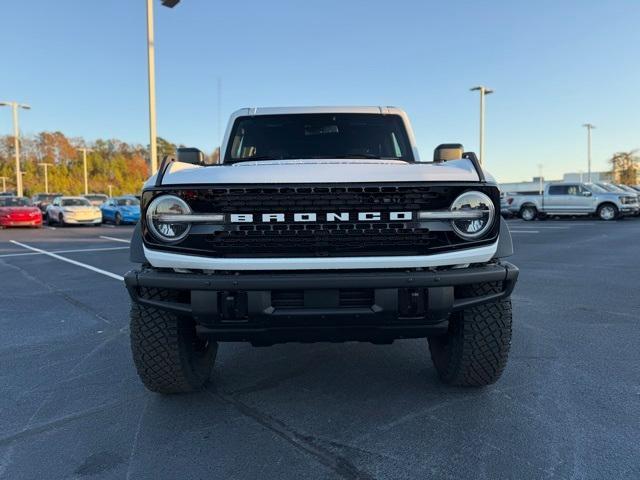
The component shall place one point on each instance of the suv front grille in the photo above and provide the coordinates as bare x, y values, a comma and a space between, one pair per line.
320, 238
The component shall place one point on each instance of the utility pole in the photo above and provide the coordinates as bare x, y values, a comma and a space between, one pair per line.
151, 67
84, 163
110, 192
4, 184
540, 178
16, 140
46, 175
483, 91
589, 127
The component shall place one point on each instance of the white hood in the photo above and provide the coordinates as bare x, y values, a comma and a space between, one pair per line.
319, 171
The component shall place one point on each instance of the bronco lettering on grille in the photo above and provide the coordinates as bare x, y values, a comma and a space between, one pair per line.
321, 217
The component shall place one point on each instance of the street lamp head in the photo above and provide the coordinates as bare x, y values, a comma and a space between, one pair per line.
482, 88
170, 3
588, 125
24, 106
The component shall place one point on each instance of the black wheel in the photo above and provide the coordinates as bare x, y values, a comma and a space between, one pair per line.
474, 351
168, 354
118, 219
528, 213
49, 220
607, 212
61, 220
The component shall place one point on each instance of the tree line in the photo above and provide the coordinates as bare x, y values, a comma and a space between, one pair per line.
122, 165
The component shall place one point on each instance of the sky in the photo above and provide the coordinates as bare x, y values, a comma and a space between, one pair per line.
554, 65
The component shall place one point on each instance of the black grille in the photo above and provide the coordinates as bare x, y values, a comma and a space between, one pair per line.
320, 238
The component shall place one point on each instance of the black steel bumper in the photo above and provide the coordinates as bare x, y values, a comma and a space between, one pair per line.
266, 308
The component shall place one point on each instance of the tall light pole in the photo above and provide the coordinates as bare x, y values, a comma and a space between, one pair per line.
483, 91
589, 127
16, 140
151, 66
4, 184
84, 164
46, 175
540, 178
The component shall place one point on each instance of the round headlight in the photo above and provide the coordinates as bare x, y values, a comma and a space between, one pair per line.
476, 215
161, 218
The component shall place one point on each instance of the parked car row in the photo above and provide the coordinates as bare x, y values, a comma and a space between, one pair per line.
603, 200
67, 210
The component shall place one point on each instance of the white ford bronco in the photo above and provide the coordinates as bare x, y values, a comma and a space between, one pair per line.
320, 224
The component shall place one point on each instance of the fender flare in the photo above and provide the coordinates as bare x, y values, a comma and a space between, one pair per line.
505, 243
136, 250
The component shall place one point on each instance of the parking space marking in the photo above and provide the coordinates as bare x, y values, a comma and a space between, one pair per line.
546, 227
123, 240
68, 260
76, 250
525, 231
107, 226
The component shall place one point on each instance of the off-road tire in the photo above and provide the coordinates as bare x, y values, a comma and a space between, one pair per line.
601, 212
168, 355
474, 351
528, 213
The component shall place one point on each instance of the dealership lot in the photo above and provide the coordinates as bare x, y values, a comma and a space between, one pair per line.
568, 405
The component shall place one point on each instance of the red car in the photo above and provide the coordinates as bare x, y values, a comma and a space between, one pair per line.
18, 212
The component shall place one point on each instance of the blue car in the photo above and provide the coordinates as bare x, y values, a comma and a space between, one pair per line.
121, 210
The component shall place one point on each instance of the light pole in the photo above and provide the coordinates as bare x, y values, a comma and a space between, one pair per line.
110, 191
483, 91
16, 141
589, 127
84, 164
4, 184
540, 178
151, 66
46, 175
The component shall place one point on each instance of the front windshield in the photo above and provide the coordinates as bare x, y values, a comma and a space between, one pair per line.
14, 202
75, 202
315, 136
128, 202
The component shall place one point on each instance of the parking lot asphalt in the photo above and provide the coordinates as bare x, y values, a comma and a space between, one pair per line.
567, 406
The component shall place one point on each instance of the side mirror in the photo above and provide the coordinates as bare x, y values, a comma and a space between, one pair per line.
586, 193
190, 155
448, 151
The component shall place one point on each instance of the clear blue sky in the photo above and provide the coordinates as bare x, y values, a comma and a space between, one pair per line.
81, 64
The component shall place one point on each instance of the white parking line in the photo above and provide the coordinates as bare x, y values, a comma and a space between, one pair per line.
77, 250
525, 231
123, 240
68, 260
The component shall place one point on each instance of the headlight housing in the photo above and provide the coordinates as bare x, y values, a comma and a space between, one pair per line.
161, 219
476, 212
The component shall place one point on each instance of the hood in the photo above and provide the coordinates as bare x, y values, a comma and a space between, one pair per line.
25, 209
130, 208
319, 171
80, 208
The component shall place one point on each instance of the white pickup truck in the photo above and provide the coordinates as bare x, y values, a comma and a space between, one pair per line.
568, 198
321, 224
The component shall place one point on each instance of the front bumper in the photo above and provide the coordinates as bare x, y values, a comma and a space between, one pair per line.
11, 222
84, 221
267, 308
629, 209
